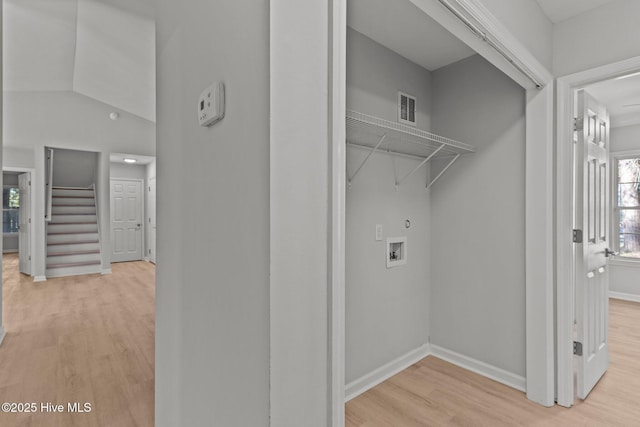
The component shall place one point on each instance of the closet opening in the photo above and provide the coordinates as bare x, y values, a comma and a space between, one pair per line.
434, 218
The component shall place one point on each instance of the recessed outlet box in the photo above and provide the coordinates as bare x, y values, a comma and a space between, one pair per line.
396, 251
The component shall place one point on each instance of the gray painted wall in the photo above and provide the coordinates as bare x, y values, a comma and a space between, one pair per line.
122, 170
387, 310
212, 304
17, 157
375, 74
477, 245
73, 168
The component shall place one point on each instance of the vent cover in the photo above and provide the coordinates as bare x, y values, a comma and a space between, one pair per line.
406, 109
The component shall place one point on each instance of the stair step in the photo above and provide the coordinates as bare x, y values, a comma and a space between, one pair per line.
73, 258
72, 247
74, 218
73, 264
55, 254
66, 237
73, 270
70, 228
72, 192
72, 201
81, 242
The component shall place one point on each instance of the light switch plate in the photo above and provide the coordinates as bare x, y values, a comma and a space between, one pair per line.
378, 232
211, 104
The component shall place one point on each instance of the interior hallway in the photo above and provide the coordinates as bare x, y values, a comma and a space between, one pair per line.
80, 339
434, 392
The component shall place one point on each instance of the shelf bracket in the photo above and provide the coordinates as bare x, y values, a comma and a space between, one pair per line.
352, 177
433, 181
424, 162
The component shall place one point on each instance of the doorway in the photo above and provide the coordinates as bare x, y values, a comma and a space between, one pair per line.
127, 209
16, 215
573, 291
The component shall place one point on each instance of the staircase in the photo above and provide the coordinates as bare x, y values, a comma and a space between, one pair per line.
73, 244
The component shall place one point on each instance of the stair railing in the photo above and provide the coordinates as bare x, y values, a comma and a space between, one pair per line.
48, 184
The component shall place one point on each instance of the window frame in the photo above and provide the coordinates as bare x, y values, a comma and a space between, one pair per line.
614, 157
9, 233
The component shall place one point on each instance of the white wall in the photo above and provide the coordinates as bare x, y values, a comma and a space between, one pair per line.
624, 277
74, 168
387, 310
528, 23
375, 74
299, 210
15, 157
212, 300
69, 120
478, 217
601, 36
123, 170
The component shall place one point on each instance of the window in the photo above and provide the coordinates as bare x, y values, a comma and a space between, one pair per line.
627, 206
10, 209
406, 109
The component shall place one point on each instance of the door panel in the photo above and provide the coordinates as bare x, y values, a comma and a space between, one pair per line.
152, 220
592, 276
126, 220
24, 234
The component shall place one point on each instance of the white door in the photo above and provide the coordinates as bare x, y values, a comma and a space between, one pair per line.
151, 220
126, 220
592, 275
24, 234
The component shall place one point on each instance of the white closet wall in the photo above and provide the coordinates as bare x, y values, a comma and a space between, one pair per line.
387, 310
478, 217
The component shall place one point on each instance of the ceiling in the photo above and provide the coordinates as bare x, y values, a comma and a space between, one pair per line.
140, 160
561, 10
621, 96
407, 31
103, 49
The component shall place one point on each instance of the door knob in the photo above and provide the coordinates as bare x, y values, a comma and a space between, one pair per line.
608, 252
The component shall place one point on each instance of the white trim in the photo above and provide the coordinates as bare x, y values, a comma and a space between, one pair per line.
564, 214
10, 251
40, 278
3, 334
337, 214
383, 373
105, 271
624, 297
492, 372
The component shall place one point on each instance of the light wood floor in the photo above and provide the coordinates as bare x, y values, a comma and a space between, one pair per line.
433, 392
80, 339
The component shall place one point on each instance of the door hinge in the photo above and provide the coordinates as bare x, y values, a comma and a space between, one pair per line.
29, 220
577, 348
578, 124
29, 183
577, 236
29, 257
149, 251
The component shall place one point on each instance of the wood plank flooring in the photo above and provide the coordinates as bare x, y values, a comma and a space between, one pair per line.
80, 339
433, 392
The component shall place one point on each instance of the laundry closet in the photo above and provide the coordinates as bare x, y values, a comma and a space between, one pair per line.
435, 215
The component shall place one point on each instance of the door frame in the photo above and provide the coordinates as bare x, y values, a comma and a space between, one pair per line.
539, 222
566, 87
142, 213
32, 213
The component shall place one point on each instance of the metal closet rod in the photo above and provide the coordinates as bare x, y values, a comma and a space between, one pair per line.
483, 35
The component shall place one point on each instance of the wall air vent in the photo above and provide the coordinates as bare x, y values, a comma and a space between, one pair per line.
406, 109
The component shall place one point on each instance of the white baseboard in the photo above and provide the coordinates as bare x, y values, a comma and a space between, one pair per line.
9, 251
40, 278
2, 334
482, 368
106, 271
359, 386
623, 296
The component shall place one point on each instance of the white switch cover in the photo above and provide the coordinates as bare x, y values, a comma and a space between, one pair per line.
378, 232
211, 104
